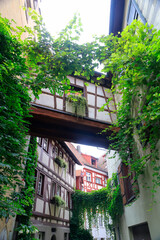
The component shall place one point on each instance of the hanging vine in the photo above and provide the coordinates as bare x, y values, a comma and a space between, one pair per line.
106, 201
134, 60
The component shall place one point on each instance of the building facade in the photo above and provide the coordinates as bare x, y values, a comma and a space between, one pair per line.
141, 216
53, 179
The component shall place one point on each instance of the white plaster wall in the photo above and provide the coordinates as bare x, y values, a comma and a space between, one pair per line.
80, 82
141, 210
103, 116
56, 167
91, 99
51, 165
91, 112
151, 11
66, 216
39, 151
39, 205
59, 103
46, 100
100, 102
113, 162
47, 209
45, 158
100, 91
71, 79
91, 88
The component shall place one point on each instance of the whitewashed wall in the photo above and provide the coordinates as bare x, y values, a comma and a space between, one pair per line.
96, 96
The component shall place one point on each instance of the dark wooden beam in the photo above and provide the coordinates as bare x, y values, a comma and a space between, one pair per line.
65, 127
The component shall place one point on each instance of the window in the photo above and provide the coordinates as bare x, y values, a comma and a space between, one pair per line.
41, 235
67, 199
60, 154
53, 237
40, 184
56, 152
53, 151
45, 144
93, 161
53, 189
128, 185
76, 89
141, 231
35, 179
65, 236
58, 192
39, 141
88, 175
71, 168
98, 180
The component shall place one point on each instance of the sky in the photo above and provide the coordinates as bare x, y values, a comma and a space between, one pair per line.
94, 15
93, 151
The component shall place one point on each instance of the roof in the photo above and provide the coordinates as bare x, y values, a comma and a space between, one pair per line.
68, 149
102, 162
74, 151
81, 159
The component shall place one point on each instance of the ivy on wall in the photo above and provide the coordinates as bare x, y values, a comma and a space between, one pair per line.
26, 196
35, 63
134, 60
14, 105
106, 201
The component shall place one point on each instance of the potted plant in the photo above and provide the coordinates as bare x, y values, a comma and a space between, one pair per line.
61, 162
78, 103
58, 201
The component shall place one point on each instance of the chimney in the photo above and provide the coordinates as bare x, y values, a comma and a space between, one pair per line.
79, 148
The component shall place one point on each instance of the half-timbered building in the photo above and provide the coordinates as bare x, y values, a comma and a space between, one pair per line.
54, 115
55, 182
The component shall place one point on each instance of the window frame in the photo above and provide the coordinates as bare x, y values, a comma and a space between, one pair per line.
90, 177
58, 193
45, 148
40, 191
98, 178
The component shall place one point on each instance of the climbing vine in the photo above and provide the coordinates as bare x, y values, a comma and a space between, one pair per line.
25, 228
134, 60
106, 201
14, 105
40, 61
